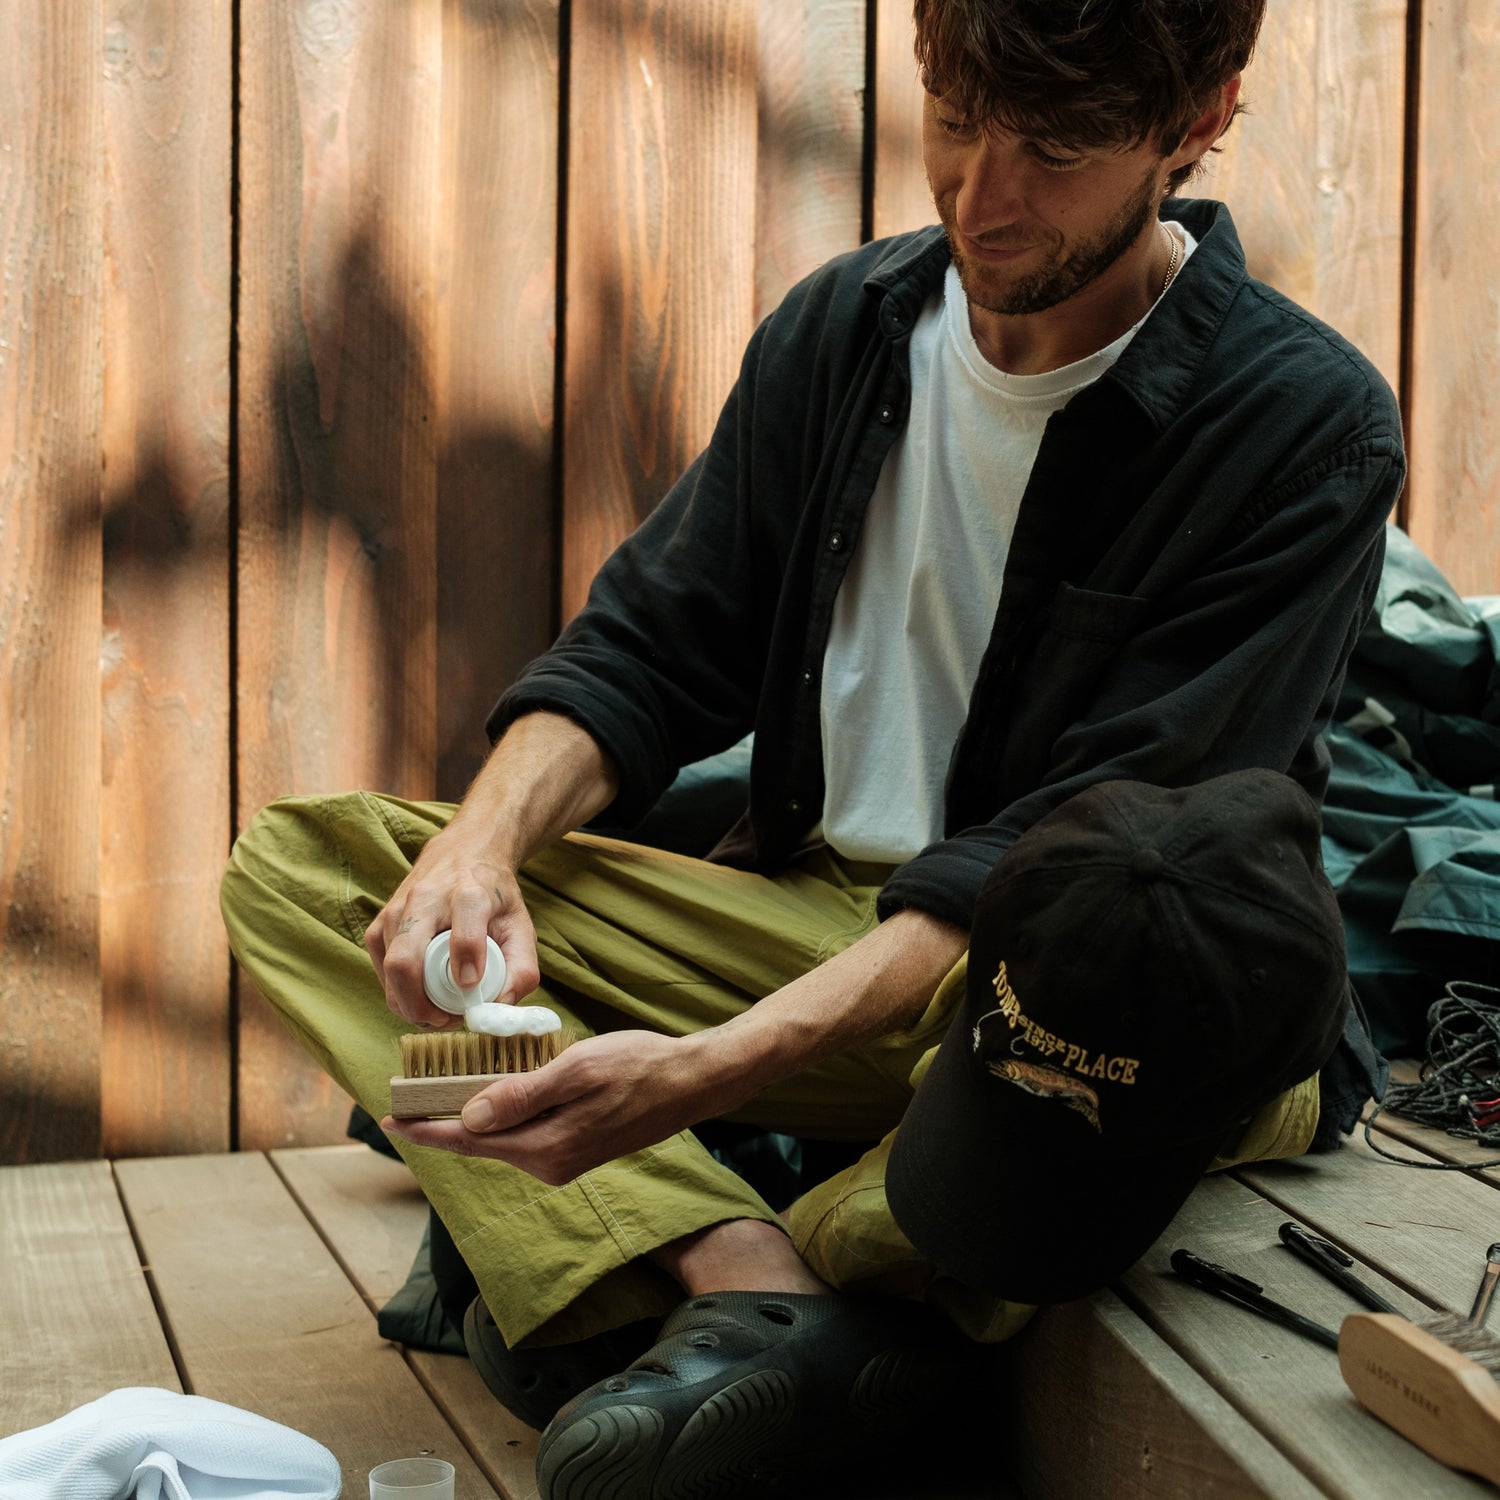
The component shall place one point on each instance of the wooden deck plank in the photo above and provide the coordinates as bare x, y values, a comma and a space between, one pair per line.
1426, 1231
1284, 1384
1092, 1402
264, 1318
366, 1206
74, 1304
371, 1213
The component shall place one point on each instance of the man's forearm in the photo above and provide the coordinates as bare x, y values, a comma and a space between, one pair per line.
545, 777
878, 985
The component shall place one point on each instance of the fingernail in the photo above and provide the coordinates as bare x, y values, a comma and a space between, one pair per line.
478, 1114
468, 976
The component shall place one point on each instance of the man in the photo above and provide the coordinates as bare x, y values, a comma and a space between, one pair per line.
1032, 550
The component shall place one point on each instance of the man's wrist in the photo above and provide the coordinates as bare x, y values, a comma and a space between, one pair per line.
732, 1062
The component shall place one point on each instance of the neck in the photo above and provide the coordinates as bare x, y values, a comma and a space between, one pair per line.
1092, 318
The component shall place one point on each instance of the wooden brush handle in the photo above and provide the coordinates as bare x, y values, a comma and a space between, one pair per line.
1440, 1399
432, 1098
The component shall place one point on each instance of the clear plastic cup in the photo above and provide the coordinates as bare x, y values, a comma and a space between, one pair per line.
412, 1479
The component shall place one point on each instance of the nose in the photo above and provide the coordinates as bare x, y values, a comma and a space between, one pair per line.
989, 197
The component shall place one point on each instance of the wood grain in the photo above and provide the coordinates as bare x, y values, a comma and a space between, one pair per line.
1426, 1231
265, 1319
74, 1304
337, 477
810, 85
164, 1081
51, 234
497, 250
901, 199
367, 1207
1092, 1402
660, 260
1313, 173
1453, 506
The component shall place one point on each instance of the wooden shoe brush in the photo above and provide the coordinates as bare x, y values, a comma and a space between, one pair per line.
1437, 1382
1441, 1392
442, 1070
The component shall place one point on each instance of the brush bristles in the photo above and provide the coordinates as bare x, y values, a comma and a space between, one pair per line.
1465, 1338
452, 1054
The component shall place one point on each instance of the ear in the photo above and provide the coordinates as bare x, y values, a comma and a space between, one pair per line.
1208, 127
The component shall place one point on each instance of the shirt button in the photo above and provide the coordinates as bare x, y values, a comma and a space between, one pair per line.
793, 806
807, 679
835, 541
887, 414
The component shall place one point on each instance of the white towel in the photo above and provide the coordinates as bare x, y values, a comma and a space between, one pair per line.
158, 1445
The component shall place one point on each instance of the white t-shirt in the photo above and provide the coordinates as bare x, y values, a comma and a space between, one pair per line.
914, 612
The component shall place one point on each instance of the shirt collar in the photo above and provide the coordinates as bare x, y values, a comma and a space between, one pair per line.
1163, 362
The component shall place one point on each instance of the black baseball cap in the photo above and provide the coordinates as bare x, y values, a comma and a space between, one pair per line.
1148, 967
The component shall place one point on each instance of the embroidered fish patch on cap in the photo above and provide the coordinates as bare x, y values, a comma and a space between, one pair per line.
1073, 1063
1048, 1083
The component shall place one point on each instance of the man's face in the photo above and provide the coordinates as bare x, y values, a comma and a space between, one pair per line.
1031, 224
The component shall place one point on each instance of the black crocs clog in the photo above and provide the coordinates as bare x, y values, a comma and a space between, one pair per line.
752, 1394
534, 1383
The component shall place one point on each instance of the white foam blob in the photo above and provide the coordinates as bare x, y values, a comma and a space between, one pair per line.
511, 1020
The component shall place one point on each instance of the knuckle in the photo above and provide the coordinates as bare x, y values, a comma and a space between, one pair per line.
524, 975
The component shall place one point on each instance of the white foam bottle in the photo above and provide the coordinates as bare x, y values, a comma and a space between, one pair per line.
444, 990
474, 1005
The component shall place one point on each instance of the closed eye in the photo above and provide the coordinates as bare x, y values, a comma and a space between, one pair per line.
958, 129
1054, 161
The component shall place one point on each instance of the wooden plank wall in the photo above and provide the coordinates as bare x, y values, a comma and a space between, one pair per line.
340, 342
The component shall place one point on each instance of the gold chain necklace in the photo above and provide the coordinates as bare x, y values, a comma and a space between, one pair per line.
1172, 259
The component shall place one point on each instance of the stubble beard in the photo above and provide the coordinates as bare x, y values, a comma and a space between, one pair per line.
1057, 280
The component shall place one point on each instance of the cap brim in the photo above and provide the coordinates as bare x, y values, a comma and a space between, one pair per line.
1003, 1190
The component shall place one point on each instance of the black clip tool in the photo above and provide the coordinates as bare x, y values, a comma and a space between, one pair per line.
1325, 1257
1240, 1289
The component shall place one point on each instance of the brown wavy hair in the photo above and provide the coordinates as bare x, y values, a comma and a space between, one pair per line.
1085, 73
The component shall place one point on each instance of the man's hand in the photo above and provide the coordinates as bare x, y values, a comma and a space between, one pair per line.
545, 777
455, 886
602, 1098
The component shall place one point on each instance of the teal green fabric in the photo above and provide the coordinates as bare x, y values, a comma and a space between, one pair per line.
1411, 821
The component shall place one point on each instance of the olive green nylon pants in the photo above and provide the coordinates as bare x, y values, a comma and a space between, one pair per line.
626, 937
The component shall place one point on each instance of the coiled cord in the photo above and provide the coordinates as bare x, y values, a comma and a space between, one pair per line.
1459, 1088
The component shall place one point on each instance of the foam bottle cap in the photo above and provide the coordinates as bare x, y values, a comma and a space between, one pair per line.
444, 991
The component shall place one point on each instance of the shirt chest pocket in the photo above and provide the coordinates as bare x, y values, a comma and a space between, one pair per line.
1088, 616
1075, 640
